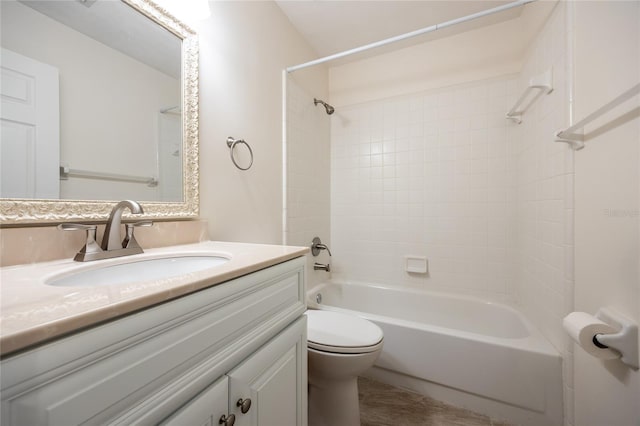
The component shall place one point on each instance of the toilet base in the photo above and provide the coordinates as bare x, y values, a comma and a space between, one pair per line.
334, 403
335, 363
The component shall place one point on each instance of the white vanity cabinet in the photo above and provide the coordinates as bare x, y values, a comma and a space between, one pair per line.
263, 390
188, 361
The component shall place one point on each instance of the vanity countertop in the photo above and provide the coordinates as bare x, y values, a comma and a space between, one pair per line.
32, 311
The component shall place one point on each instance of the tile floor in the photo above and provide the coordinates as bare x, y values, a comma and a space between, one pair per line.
385, 405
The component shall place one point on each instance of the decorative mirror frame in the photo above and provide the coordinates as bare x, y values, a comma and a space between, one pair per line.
23, 211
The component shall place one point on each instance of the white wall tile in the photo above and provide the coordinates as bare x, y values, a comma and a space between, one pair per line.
545, 191
439, 179
475, 181
309, 159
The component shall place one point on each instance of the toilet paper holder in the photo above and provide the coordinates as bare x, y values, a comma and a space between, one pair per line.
624, 341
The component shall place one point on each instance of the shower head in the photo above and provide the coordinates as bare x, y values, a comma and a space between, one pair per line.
329, 108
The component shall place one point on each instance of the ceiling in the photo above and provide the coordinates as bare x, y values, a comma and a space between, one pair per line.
120, 27
332, 26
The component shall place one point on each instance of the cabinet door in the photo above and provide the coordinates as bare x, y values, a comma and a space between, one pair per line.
275, 379
206, 409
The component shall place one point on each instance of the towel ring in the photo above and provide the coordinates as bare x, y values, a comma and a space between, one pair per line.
231, 143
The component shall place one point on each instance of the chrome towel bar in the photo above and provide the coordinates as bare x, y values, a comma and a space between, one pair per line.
66, 172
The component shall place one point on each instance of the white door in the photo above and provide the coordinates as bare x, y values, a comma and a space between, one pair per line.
30, 128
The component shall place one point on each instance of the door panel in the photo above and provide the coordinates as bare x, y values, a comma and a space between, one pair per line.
17, 160
30, 128
275, 378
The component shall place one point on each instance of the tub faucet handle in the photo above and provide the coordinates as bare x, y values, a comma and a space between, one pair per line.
324, 247
316, 246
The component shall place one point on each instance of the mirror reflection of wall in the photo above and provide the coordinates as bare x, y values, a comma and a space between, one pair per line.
170, 153
110, 103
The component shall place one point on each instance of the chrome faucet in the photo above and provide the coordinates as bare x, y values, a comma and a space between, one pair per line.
112, 239
113, 245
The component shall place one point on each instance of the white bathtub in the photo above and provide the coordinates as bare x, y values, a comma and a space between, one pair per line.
487, 351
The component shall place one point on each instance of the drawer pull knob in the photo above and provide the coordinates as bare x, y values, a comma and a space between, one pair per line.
244, 404
227, 421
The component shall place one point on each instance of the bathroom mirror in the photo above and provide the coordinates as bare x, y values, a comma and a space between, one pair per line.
116, 117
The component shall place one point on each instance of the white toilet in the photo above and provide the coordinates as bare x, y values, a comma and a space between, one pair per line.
340, 347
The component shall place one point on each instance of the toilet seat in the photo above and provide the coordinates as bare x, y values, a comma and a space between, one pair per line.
340, 333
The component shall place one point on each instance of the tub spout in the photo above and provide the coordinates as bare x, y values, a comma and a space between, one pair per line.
322, 267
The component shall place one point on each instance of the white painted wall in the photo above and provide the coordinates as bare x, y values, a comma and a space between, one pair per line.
244, 46
99, 120
607, 62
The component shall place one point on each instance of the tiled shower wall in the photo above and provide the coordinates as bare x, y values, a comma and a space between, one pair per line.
307, 186
429, 174
545, 242
442, 174
488, 202
545, 189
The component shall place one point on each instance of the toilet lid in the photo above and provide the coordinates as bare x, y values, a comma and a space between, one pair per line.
341, 333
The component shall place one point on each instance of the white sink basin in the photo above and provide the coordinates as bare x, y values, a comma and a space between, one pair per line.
137, 271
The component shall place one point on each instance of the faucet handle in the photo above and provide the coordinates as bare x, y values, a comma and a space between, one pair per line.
91, 246
323, 247
316, 246
140, 223
129, 239
76, 227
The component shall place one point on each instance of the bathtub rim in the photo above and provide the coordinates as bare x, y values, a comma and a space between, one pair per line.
534, 342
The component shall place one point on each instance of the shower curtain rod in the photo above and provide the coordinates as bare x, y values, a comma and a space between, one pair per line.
408, 35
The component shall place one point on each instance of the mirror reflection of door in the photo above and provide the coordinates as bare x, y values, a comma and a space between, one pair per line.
117, 70
30, 135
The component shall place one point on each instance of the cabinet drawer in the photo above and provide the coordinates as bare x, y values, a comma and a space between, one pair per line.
94, 376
